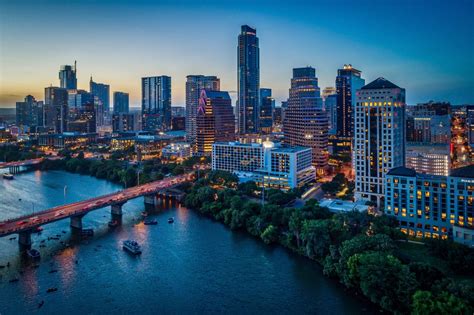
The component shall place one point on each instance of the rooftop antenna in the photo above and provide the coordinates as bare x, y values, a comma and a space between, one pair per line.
75, 66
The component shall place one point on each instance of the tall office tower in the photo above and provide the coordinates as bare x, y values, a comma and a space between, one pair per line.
121, 103
56, 108
156, 103
248, 78
102, 91
194, 85
67, 77
306, 123
29, 114
379, 137
215, 120
348, 81
267, 106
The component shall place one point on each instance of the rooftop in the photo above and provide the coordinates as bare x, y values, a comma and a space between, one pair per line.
402, 171
463, 172
380, 83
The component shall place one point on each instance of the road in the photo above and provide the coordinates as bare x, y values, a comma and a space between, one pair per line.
32, 221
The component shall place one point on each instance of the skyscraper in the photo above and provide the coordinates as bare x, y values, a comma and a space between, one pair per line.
102, 91
194, 85
121, 102
305, 122
56, 108
379, 138
29, 114
67, 77
348, 81
215, 120
156, 103
248, 78
267, 106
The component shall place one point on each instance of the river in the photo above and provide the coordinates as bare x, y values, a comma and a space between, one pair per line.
194, 265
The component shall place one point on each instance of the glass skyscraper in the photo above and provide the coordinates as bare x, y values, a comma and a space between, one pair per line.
194, 85
267, 106
67, 77
248, 78
121, 102
348, 81
102, 91
156, 103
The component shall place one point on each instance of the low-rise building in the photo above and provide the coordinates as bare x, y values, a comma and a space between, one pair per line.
337, 205
270, 164
428, 159
180, 150
66, 139
432, 206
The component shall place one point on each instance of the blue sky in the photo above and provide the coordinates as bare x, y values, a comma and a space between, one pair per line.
426, 47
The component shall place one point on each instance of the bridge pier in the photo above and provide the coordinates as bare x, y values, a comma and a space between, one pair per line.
24, 240
76, 222
14, 169
151, 200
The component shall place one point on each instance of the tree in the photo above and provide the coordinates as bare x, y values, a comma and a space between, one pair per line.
383, 279
425, 303
425, 274
269, 235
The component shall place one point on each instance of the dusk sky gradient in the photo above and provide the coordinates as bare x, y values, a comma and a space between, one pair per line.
427, 47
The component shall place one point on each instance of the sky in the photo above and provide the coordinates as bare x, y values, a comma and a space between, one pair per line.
426, 47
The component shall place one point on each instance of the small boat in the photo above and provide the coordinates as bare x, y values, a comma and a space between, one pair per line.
2, 266
8, 176
14, 280
12, 238
113, 223
52, 290
144, 214
40, 304
171, 220
33, 253
132, 247
38, 229
150, 222
53, 271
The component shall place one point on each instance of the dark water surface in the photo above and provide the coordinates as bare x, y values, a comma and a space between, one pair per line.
192, 266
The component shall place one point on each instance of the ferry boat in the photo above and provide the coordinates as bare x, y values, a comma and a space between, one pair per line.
132, 247
8, 176
33, 253
171, 220
150, 222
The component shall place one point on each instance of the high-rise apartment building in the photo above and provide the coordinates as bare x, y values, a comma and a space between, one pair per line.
121, 102
248, 78
156, 103
194, 85
68, 77
102, 92
348, 81
267, 107
56, 108
305, 122
215, 120
29, 114
379, 137
122, 122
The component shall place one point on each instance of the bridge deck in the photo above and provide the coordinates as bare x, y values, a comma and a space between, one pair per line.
31, 221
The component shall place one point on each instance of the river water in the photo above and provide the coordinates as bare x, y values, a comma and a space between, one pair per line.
194, 265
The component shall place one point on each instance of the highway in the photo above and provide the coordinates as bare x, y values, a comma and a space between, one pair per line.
31, 221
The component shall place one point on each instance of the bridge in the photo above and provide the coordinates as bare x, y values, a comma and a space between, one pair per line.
14, 167
25, 225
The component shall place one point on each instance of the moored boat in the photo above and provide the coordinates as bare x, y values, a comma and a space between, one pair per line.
8, 176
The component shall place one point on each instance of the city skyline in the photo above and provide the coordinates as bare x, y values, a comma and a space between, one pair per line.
114, 53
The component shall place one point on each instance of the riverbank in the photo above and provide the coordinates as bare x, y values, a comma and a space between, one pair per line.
358, 249
193, 265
